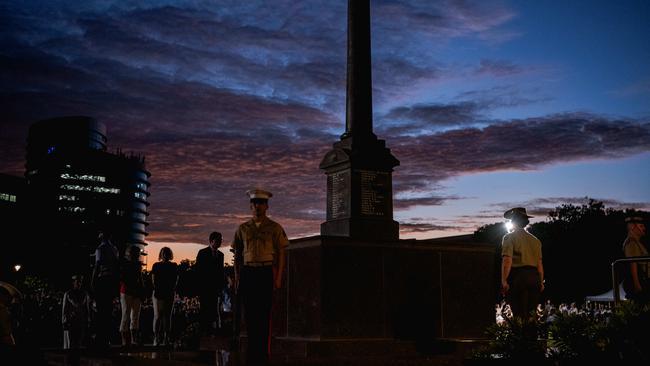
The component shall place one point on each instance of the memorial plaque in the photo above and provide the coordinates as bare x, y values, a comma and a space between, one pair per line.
338, 193
375, 192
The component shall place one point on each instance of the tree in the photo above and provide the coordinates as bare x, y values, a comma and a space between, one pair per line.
186, 278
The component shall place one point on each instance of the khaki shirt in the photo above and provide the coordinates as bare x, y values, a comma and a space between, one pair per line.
259, 244
524, 248
632, 247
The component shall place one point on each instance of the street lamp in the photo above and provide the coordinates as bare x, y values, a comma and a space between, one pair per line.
17, 267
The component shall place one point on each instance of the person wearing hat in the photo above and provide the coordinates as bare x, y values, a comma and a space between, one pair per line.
75, 314
259, 247
131, 296
522, 271
639, 288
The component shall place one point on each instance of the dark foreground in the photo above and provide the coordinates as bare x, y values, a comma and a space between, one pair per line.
216, 351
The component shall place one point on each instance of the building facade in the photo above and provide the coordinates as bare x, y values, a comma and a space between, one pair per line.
12, 196
75, 188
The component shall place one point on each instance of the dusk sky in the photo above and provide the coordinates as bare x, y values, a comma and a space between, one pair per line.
487, 104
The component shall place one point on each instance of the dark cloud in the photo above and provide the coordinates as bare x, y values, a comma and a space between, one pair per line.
472, 108
521, 144
421, 227
403, 203
440, 20
422, 118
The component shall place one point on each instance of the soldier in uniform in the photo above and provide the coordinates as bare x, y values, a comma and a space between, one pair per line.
259, 247
639, 288
522, 271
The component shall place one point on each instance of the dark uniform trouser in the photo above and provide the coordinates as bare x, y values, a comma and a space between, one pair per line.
208, 309
256, 286
524, 293
642, 297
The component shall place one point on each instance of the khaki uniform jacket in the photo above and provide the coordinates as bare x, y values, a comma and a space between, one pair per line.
259, 244
524, 248
632, 247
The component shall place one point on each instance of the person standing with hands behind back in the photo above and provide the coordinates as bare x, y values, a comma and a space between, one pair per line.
259, 247
522, 271
209, 267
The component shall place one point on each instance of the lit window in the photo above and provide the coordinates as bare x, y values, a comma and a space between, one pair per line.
72, 209
106, 190
75, 187
141, 196
7, 197
108, 211
92, 178
66, 197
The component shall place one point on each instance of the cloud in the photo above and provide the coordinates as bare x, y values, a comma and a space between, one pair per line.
428, 117
222, 98
410, 227
525, 144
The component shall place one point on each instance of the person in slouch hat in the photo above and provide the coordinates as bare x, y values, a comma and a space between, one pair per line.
522, 271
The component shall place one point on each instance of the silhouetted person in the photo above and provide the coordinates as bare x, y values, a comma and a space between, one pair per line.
226, 300
639, 289
7, 341
105, 284
209, 268
164, 274
75, 314
131, 296
522, 273
259, 247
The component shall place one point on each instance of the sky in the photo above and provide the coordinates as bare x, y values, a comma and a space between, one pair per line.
487, 104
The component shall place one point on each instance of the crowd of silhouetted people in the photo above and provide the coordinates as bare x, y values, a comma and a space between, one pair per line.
549, 312
39, 317
146, 307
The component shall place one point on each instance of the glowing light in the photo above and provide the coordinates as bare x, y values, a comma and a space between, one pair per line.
17, 267
509, 226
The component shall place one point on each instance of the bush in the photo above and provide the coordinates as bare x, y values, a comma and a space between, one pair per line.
515, 339
624, 337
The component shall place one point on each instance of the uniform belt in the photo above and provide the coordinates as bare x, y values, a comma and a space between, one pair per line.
259, 264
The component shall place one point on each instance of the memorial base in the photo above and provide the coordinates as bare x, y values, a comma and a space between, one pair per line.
340, 288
